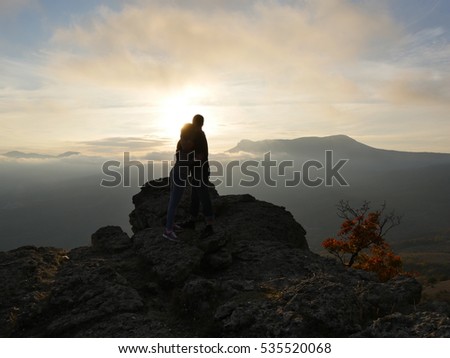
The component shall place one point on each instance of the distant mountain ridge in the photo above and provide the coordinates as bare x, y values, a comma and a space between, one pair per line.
288, 145
330, 141
21, 155
345, 147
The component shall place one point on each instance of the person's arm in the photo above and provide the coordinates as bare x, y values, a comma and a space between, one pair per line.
177, 151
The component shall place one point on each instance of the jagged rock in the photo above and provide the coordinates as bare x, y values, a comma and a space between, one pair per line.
198, 295
170, 262
435, 306
401, 294
219, 260
330, 307
26, 275
110, 239
87, 291
150, 205
418, 324
255, 277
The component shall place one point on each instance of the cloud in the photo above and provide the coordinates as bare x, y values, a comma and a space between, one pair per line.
159, 156
418, 88
259, 54
418, 72
129, 144
293, 52
12, 7
427, 47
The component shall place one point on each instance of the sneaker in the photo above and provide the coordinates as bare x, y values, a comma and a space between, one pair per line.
177, 228
170, 235
189, 224
207, 231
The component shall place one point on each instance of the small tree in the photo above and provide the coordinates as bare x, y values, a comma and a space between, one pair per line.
360, 243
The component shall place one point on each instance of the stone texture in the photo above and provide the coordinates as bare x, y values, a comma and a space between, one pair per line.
27, 276
418, 324
171, 263
110, 239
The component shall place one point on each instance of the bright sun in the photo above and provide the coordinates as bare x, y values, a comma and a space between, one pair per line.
178, 109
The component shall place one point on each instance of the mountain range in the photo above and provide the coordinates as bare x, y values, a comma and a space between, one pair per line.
344, 147
21, 155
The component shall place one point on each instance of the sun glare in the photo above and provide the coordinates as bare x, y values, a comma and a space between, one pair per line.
178, 109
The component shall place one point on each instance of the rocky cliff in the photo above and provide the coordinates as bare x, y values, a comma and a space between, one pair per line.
255, 277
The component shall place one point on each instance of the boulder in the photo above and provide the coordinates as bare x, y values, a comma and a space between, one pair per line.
110, 239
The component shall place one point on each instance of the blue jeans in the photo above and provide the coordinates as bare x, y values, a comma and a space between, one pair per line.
200, 192
178, 182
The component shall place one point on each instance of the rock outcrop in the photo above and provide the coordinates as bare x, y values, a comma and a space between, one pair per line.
255, 277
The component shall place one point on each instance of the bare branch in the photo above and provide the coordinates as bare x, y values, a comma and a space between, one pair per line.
389, 222
346, 211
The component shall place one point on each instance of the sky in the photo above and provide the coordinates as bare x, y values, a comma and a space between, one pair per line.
102, 77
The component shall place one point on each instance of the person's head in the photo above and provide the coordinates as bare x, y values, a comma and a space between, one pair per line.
187, 137
187, 130
198, 120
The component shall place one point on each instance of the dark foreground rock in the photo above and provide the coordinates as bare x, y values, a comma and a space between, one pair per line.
255, 277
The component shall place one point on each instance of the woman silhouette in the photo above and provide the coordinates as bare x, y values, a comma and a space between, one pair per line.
179, 176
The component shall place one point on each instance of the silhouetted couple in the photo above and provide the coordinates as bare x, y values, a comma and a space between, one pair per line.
191, 168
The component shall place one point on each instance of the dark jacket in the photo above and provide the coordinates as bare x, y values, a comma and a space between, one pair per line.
201, 146
200, 168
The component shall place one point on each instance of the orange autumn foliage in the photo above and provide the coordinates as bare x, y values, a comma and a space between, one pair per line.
382, 261
360, 243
